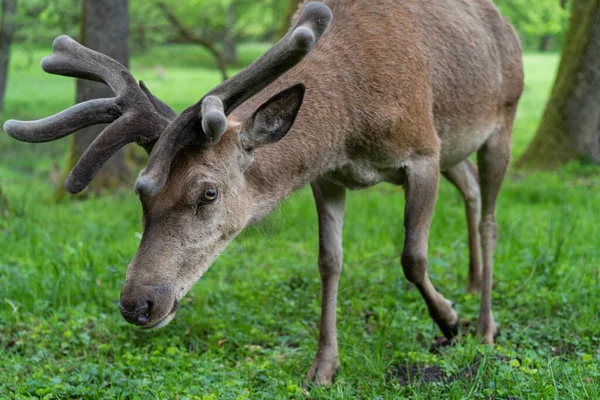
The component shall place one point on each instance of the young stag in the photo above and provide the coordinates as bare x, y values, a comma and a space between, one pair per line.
394, 91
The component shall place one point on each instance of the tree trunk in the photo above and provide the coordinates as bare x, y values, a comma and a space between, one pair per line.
570, 128
545, 42
229, 42
289, 14
4, 205
104, 28
188, 34
141, 37
7, 30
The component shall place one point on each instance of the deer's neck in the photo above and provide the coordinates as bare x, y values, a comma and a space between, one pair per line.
311, 149
278, 170
315, 144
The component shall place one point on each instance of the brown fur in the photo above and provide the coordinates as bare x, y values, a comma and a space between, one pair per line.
396, 91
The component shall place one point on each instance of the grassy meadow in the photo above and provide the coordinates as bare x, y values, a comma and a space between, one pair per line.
248, 330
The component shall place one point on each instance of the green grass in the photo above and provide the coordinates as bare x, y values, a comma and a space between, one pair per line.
249, 327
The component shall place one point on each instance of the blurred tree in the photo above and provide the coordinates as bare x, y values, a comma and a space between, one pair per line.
147, 25
216, 25
229, 37
104, 28
193, 36
223, 23
40, 21
570, 128
4, 206
538, 26
7, 30
292, 7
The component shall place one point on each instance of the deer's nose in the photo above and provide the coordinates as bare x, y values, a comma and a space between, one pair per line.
137, 312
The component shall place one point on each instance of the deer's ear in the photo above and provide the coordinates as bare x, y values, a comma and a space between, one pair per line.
272, 121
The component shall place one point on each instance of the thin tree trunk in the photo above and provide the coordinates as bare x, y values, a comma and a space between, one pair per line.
4, 205
194, 38
104, 28
141, 38
293, 6
229, 42
7, 31
545, 42
570, 128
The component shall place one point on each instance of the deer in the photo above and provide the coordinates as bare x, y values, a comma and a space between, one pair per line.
356, 93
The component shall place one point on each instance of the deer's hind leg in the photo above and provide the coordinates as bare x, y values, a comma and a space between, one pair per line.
492, 159
464, 177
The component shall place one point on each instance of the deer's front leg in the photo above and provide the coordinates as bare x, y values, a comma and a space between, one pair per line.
421, 187
330, 208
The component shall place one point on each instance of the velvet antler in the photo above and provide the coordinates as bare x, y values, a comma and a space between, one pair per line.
205, 122
136, 115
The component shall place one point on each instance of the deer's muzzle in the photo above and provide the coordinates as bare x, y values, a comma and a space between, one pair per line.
148, 306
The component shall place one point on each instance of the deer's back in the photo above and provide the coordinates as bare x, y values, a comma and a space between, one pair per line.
388, 73
387, 66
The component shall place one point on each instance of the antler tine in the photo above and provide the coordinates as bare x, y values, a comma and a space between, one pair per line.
132, 112
285, 54
71, 120
214, 121
212, 109
69, 58
107, 143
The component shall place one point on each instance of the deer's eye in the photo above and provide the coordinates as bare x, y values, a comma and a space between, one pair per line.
209, 195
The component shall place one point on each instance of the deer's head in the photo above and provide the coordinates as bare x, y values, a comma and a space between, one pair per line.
207, 199
195, 193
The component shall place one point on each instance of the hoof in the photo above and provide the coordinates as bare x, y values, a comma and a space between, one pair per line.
486, 329
487, 337
322, 372
450, 332
441, 343
446, 318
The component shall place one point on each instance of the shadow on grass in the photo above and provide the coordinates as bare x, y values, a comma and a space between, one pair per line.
416, 374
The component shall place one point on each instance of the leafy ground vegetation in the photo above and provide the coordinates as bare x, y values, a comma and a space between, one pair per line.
248, 330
